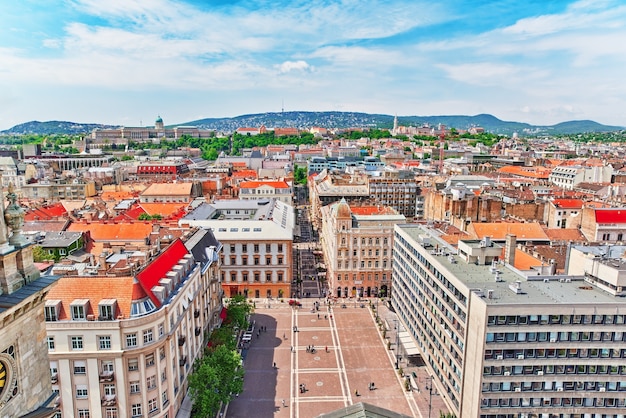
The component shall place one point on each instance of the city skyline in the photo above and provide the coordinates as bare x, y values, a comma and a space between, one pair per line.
122, 63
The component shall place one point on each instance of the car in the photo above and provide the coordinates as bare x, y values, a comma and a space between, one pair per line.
293, 302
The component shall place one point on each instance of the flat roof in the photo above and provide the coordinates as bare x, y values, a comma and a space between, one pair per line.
570, 290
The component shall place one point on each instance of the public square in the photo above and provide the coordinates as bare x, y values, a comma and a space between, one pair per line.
349, 354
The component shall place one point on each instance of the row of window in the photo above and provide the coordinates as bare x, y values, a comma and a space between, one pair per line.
255, 247
554, 336
362, 276
553, 402
520, 354
364, 253
526, 386
346, 264
554, 369
256, 261
555, 319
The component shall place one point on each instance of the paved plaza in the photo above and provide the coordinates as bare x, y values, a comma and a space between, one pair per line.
349, 354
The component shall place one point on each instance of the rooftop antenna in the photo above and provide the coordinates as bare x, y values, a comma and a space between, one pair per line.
282, 108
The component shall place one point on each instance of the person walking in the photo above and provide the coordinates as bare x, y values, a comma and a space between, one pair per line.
284, 403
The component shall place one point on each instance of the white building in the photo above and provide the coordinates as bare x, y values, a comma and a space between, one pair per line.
502, 345
123, 346
257, 236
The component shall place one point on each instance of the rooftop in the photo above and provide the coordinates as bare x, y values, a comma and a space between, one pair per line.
482, 278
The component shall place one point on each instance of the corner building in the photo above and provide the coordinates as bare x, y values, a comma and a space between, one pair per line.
501, 345
122, 347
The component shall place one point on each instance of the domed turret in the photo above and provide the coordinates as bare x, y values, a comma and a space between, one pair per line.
158, 123
342, 210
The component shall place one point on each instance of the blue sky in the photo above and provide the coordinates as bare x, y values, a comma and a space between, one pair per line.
124, 62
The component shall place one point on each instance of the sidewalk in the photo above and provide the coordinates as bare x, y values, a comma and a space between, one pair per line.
418, 373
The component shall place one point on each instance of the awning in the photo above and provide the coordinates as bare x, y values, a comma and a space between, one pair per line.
223, 314
408, 344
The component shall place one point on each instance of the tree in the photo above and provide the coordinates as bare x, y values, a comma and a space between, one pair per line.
39, 254
238, 311
215, 380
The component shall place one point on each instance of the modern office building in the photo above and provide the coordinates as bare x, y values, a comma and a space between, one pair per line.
356, 241
123, 346
499, 343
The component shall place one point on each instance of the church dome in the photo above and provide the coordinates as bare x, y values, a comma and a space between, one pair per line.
158, 120
342, 210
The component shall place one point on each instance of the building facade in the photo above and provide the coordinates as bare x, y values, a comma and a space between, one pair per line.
501, 345
356, 241
123, 346
257, 236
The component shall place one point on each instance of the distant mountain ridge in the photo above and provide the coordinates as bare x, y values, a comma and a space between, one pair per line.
335, 120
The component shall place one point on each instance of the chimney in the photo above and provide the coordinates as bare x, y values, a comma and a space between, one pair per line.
509, 249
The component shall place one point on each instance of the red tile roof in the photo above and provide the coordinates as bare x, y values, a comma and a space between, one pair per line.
46, 213
611, 216
122, 289
255, 184
499, 230
123, 231
568, 203
156, 270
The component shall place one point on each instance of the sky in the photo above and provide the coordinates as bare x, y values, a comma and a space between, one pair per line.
125, 62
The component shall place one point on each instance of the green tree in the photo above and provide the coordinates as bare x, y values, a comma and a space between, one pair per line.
299, 175
216, 378
39, 254
238, 312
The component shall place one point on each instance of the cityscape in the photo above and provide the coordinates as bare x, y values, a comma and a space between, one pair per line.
421, 271
312, 209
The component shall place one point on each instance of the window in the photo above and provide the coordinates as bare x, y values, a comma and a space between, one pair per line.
80, 367
164, 398
106, 309
110, 413
107, 366
244, 248
104, 342
50, 342
83, 413
149, 360
51, 313
161, 329
162, 353
268, 248
152, 405
147, 336
109, 389
134, 387
77, 343
135, 410
81, 391
133, 364
78, 312
151, 382
280, 260
256, 248
232, 248
268, 260
131, 340
280, 248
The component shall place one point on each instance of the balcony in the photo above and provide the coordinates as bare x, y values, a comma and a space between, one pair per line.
181, 341
182, 361
108, 400
198, 331
196, 313
106, 376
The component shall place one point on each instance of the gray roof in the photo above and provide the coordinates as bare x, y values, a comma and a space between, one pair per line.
60, 239
10, 300
362, 410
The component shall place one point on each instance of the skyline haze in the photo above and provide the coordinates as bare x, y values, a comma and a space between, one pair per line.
124, 63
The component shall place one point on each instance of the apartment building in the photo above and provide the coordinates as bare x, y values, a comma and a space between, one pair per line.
356, 241
123, 346
498, 344
400, 190
257, 236
59, 189
266, 189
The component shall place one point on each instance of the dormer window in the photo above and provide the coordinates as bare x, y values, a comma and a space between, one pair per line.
106, 309
51, 310
78, 309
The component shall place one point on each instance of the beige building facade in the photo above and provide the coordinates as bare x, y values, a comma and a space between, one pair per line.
124, 346
357, 242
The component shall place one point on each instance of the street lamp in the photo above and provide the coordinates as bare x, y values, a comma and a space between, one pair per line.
430, 394
397, 328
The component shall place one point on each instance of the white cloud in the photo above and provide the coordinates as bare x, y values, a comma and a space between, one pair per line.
289, 66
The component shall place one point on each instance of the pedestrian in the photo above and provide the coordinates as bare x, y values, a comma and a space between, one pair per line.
327, 349
284, 403
318, 316
274, 364
284, 336
325, 316
356, 393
